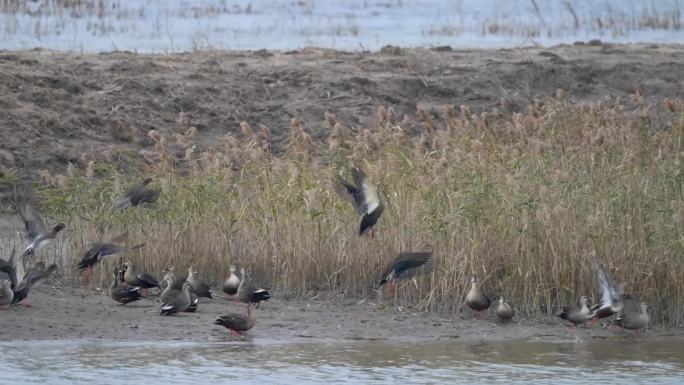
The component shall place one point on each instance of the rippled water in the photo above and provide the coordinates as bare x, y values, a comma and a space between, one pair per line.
628, 361
181, 25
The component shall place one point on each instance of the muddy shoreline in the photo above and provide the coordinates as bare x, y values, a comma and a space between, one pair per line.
68, 314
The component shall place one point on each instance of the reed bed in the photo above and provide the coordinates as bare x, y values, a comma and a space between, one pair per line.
525, 199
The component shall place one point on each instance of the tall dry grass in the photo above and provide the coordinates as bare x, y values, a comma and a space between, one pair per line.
523, 199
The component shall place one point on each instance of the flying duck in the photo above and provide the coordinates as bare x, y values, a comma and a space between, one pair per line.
612, 297
36, 232
96, 253
138, 195
403, 264
365, 196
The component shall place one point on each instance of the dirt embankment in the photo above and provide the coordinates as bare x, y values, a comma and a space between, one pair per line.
56, 107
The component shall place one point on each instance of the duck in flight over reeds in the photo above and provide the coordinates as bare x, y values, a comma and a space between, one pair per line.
404, 264
365, 196
36, 232
138, 195
96, 253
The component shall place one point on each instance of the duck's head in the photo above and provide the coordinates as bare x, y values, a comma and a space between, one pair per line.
58, 227
127, 263
146, 181
474, 280
501, 300
584, 300
233, 269
644, 307
170, 269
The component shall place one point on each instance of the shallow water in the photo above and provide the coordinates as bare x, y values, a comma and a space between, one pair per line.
608, 362
180, 25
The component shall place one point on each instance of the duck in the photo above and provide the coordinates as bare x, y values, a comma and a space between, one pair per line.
366, 197
198, 287
612, 297
138, 195
178, 303
248, 294
578, 315
123, 294
402, 266
504, 311
634, 320
6, 293
34, 276
96, 253
238, 323
36, 232
141, 280
174, 284
476, 299
230, 285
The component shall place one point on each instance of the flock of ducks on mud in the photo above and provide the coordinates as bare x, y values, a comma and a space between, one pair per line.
181, 294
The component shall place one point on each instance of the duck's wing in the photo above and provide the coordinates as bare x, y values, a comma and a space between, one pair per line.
149, 279
231, 320
349, 192
32, 222
405, 262
606, 288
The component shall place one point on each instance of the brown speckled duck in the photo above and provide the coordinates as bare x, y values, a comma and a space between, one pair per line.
231, 284
476, 299
141, 280
178, 303
198, 287
238, 323
578, 315
6, 293
504, 311
123, 294
634, 320
248, 294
